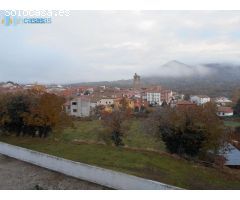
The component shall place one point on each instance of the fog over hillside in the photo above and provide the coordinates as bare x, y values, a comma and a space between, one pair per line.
178, 69
213, 79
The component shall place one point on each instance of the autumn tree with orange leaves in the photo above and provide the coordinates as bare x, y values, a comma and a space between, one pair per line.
32, 113
46, 113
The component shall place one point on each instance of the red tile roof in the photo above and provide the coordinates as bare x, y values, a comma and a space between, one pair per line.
225, 109
185, 103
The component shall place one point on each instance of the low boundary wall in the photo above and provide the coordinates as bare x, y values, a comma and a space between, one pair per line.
101, 176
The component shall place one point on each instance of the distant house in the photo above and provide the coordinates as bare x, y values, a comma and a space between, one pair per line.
222, 101
93, 101
185, 104
105, 102
200, 99
80, 107
156, 95
166, 95
8, 85
224, 111
154, 98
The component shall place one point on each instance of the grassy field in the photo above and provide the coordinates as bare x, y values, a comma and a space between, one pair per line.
156, 166
232, 124
92, 131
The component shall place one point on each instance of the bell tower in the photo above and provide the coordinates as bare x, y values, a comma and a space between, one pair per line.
136, 81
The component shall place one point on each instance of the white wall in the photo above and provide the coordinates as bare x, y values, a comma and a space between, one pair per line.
82, 171
154, 97
105, 102
82, 107
199, 100
223, 114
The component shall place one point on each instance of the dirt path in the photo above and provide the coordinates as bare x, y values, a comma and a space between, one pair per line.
18, 175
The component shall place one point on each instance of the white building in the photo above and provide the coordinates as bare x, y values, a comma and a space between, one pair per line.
154, 98
222, 101
105, 102
80, 107
7, 85
200, 99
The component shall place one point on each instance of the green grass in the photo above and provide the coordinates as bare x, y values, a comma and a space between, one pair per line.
156, 166
232, 124
136, 137
83, 130
92, 131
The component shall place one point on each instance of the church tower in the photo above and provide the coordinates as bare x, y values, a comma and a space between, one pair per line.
136, 81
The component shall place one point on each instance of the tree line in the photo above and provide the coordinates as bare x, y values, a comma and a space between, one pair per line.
31, 113
190, 132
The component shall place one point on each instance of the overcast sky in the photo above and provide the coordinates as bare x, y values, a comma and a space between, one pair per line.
108, 45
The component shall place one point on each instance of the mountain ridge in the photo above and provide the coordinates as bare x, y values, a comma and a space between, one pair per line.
212, 79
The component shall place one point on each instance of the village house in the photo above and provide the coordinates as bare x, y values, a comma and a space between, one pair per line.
10, 87
55, 89
80, 107
127, 93
105, 101
200, 99
177, 96
153, 98
152, 95
224, 111
185, 104
166, 95
157, 95
9, 84
222, 101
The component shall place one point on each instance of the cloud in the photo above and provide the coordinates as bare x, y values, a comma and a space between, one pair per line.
110, 45
146, 25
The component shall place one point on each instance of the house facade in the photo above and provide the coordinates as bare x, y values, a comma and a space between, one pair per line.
185, 105
222, 101
224, 111
80, 107
105, 102
166, 95
200, 99
153, 98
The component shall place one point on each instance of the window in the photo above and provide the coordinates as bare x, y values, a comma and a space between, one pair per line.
74, 110
74, 103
